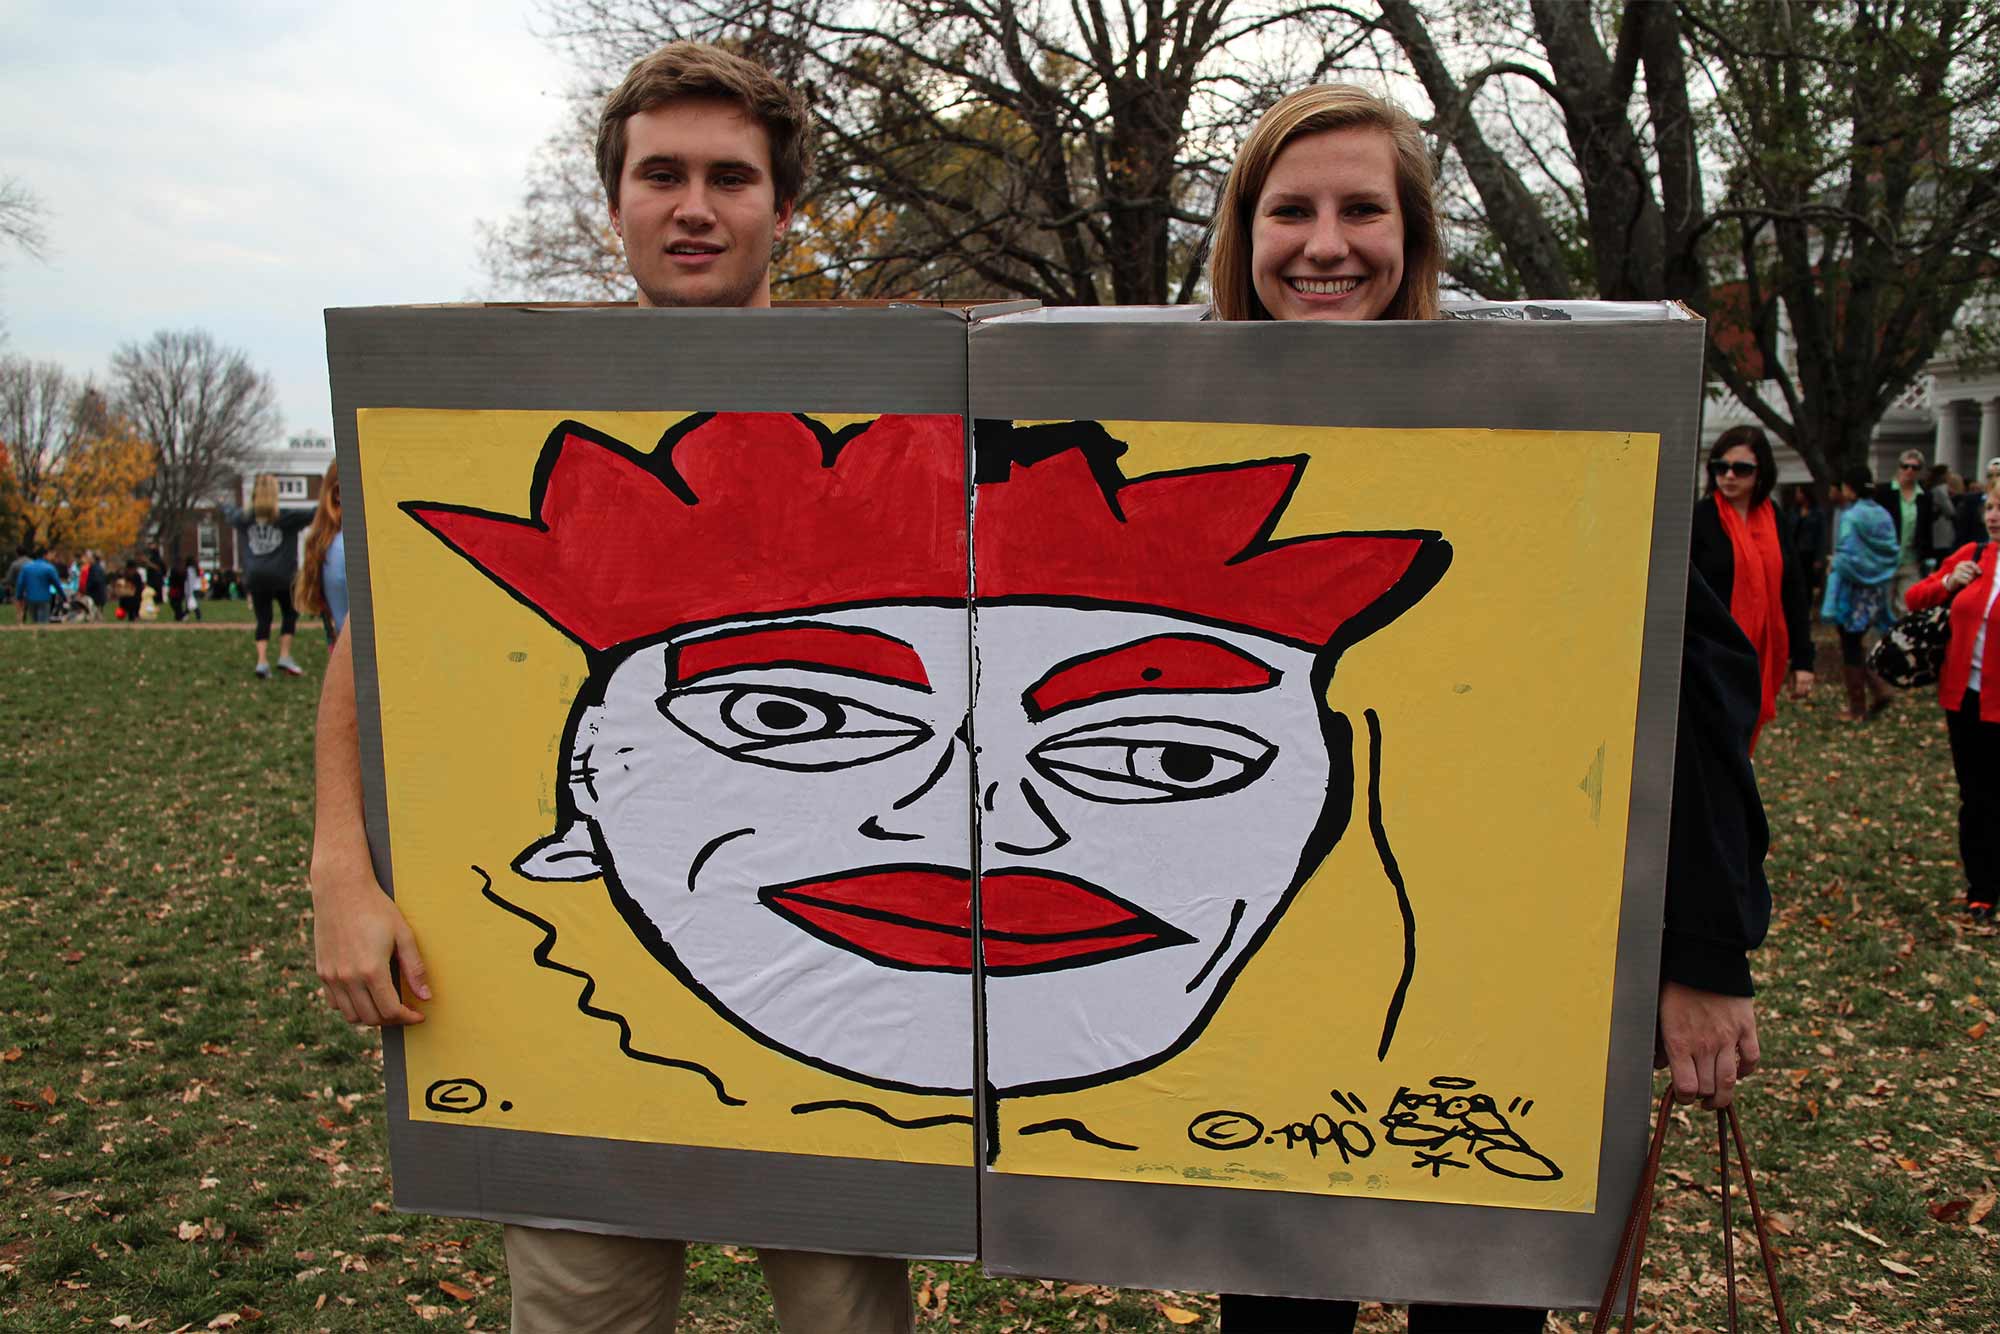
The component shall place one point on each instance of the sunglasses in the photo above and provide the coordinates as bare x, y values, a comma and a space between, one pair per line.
1735, 468
1908, 467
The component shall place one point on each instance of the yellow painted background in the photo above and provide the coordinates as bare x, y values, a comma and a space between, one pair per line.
1495, 694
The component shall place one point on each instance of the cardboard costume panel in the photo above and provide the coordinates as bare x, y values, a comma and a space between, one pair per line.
1330, 708
661, 633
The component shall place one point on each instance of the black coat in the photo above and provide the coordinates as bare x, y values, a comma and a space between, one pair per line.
1710, 553
1718, 904
1890, 498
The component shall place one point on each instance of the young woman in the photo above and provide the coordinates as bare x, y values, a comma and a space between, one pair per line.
1969, 690
271, 557
1860, 584
1744, 547
1328, 214
320, 589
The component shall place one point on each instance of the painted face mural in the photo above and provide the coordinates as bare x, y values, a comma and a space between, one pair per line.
780, 756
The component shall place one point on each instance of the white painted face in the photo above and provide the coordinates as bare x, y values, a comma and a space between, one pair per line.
786, 803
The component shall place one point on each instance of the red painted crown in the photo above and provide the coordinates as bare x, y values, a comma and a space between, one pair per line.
750, 514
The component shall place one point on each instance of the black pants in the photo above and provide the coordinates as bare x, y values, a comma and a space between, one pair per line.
1975, 754
1852, 651
1298, 1315
260, 602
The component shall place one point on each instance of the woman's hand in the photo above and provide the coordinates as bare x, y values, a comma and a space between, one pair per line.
1961, 576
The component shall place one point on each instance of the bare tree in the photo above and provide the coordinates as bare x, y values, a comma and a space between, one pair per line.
1070, 152
1832, 160
203, 408
21, 218
44, 413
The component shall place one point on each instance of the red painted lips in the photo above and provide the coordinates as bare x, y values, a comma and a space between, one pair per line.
920, 917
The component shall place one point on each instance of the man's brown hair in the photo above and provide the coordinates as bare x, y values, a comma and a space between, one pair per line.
699, 69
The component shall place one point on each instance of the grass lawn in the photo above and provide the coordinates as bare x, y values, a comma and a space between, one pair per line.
187, 1135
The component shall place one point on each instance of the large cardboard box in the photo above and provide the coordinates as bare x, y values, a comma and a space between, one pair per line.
1241, 753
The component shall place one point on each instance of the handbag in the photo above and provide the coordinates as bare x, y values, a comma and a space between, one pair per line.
1632, 1246
1912, 652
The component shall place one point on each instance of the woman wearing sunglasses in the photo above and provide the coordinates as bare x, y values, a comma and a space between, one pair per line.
1328, 214
1743, 546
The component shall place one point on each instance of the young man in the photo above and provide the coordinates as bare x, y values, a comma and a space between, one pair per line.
37, 585
1909, 504
702, 155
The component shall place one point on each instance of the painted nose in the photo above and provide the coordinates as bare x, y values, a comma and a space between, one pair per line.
1015, 820
935, 807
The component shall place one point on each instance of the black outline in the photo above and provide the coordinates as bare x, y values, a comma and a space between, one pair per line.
854, 1105
708, 850
1038, 714
1076, 1130
679, 682
1162, 935
1235, 920
1395, 874
542, 960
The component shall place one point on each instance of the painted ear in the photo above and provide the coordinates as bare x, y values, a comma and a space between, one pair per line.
568, 854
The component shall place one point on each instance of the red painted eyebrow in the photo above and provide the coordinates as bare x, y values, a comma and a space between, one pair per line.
847, 650
1172, 663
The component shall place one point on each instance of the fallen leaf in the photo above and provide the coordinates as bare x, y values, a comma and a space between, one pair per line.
1977, 1031
1946, 1211
454, 1290
225, 1320
188, 1231
1909, 1164
1848, 1225
1894, 1268
48, 1095
1781, 1224
11, 1054
1180, 1315
1981, 1206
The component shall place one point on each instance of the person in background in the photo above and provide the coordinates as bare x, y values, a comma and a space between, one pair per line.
321, 586
1945, 487
1971, 507
1744, 548
177, 590
1969, 690
96, 585
1861, 590
1908, 503
193, 585
267, 533
37, 586
22, 556
1328, 214
1810, 540
130, 586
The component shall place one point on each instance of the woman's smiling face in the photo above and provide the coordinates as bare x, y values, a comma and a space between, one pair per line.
1326, 235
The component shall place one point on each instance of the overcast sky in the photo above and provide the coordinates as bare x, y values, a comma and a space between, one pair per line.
240, 165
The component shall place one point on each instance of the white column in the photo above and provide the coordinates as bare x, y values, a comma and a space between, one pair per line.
1946, 450
1989, 432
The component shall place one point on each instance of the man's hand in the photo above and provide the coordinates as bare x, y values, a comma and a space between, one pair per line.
356, 931
1708, 1040
1802, 684
356, 928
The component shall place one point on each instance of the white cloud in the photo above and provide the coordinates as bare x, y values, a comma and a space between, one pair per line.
241, 166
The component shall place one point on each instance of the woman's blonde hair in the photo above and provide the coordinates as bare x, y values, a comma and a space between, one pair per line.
1327, 106
307, 595
264, 498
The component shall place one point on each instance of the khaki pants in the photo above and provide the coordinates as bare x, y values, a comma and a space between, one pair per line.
1908, 576
584, 1283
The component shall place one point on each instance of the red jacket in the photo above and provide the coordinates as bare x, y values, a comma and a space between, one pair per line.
1965, 610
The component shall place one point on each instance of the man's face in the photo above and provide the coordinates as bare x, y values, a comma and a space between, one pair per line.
785, 802
697, 206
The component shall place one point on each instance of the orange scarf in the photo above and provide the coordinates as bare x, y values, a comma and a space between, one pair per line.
1756, 597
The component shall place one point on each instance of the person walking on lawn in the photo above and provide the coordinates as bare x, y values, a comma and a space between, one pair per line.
37, 587
702, 155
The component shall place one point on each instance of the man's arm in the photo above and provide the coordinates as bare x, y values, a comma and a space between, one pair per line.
357, 929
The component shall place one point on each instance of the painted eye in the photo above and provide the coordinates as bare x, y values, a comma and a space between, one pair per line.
1146, 760
789, 728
